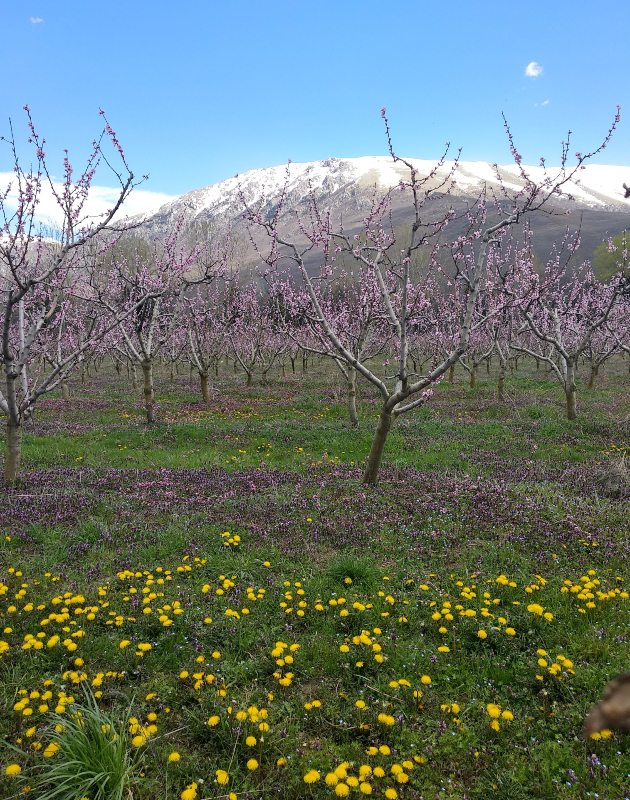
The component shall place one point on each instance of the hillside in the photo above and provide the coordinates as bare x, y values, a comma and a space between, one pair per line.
595, 204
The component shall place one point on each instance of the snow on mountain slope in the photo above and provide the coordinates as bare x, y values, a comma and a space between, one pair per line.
598, 186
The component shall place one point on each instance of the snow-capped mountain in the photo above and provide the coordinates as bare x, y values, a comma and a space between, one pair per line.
599, 186
347, 186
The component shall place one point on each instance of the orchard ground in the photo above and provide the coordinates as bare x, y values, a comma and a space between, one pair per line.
250, 621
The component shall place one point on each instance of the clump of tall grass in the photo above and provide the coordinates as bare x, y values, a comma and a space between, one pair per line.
89, 754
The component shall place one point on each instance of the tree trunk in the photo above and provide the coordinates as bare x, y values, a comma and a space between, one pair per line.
571, 391
473, 376
134, 376
14, 451
304, 360
284, 373
149, 397
293, 366
451, 374
378, 445
216, 369
501, 384
592, 376
352, 396
205, 393
488, 366
537, 364
250, 378
65, 391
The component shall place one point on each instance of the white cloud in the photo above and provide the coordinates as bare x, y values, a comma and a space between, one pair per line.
533, 70
545, 103
35, 20
100, 199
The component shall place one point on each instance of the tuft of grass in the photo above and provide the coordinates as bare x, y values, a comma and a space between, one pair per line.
89, 757
350, 570
614, 478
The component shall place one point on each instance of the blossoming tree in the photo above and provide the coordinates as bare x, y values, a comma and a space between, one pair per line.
377, 251
46, 281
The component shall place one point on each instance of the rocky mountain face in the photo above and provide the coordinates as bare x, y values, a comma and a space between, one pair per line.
347, 187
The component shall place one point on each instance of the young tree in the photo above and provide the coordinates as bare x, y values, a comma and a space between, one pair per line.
208, 316
252, 334
353, 302
44, 280
145, 294
402, 303
600, 349
561, 312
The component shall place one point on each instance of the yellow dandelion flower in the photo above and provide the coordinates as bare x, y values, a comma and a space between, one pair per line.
190, 792
222, 777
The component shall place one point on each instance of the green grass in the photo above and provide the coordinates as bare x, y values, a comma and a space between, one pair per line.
110, 512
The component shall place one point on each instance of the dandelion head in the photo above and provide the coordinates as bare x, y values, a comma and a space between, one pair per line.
223, 777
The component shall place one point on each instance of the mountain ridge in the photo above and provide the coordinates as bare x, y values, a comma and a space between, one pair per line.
347, 188
600, 185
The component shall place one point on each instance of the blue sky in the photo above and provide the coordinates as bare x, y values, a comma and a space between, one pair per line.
198, 91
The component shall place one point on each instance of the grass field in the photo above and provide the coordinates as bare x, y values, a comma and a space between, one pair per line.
214, 606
